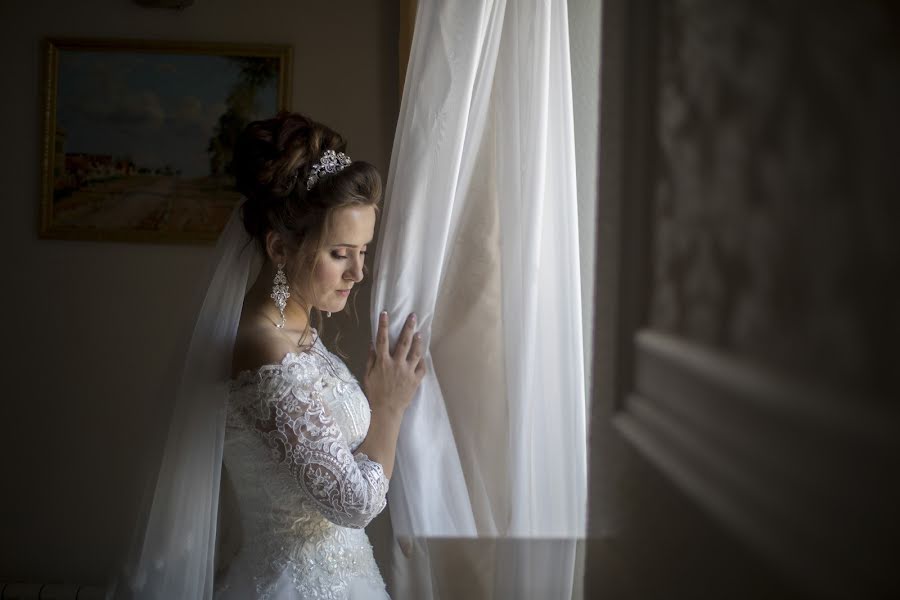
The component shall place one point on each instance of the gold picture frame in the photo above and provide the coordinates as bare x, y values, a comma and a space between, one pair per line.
138, 134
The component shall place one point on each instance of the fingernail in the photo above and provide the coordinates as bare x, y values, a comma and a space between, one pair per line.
414, 316
383, 314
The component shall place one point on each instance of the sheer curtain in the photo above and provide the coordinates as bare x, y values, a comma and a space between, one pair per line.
479, 237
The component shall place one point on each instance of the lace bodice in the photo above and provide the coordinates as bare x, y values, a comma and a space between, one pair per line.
303, 494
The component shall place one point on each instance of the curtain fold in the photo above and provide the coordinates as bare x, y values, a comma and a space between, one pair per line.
479, 237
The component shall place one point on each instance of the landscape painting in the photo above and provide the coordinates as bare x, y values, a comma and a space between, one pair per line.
139, 136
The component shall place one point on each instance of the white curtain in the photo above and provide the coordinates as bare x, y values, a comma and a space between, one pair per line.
479, 237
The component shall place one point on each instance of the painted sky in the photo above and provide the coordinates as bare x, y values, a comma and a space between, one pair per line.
157, 109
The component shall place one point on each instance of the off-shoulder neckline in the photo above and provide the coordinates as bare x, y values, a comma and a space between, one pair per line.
245, 376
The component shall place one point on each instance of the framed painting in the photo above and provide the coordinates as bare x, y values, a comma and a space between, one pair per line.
139, 135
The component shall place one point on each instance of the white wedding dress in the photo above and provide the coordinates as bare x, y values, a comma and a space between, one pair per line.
302, 494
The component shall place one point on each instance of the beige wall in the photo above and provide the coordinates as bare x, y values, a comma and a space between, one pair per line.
89, 327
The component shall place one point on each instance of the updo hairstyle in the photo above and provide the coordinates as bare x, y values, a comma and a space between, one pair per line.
272, 160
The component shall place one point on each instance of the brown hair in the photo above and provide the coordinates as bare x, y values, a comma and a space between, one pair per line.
272, 160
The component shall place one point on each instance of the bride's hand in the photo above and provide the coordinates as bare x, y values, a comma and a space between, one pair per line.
391, 378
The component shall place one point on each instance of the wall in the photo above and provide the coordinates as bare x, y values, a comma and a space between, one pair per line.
773, 167
90, 327
747, 247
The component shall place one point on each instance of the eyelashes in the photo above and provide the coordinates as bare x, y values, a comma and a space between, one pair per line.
340, 256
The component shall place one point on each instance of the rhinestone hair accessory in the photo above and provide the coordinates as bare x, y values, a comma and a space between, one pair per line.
330, 163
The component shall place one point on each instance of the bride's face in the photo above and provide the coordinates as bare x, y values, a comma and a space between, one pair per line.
340, 262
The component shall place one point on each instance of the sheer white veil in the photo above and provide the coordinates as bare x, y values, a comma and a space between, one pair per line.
172, 553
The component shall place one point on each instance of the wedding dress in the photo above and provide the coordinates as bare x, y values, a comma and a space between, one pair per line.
283, 438
303, 494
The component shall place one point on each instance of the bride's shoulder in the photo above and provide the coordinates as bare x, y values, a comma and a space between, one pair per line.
256, 347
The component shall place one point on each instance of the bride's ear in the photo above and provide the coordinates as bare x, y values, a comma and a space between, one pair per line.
275, 247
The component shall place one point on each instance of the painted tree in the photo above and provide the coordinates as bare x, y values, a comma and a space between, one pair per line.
255, 73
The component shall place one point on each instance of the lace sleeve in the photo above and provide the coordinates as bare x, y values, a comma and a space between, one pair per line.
303, 436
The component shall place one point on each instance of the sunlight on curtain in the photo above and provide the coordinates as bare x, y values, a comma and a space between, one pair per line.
479, 237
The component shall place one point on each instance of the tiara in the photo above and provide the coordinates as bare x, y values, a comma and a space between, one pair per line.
329, 164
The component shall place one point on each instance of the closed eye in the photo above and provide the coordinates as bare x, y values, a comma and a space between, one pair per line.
336, 255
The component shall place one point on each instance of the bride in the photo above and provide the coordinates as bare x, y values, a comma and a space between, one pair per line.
307, 454
276, 459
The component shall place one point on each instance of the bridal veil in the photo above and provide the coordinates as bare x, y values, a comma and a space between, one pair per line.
173, 550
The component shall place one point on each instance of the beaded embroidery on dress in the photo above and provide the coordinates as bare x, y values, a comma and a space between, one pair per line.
303, 495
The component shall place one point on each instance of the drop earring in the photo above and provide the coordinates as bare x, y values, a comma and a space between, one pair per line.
280, 292
327, 313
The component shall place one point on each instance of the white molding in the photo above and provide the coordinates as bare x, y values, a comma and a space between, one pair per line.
806, 475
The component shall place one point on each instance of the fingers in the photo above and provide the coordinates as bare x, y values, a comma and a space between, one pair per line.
406, 545
381, 336
401, 351
409, 344
421, 369
370, 360
415, 350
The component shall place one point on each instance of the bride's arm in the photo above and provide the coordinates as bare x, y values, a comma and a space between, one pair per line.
390, 381
303, 436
